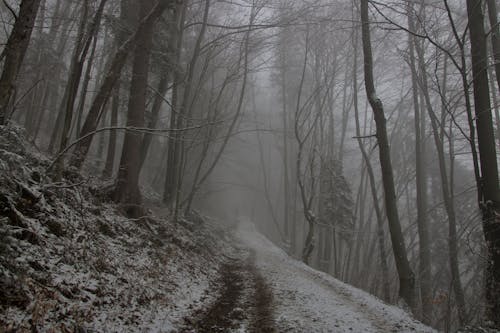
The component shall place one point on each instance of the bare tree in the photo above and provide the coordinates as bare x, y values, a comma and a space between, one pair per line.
14, 52
490, 204
371, 177
406, 275
112, 75
425, 274
127, 181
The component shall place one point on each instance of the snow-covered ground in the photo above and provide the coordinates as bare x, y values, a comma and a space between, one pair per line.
71, 262
306, 300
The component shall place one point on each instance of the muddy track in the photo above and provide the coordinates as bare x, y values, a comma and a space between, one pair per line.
263, 316
244, 301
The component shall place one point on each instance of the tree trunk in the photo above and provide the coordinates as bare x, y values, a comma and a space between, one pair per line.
14, 53
425, 274
286, 178
84, 41
29, 120
110, 155
177, 40
127, 182
495, 36
371, 176
155, 113
490, 203
126, 16
405, 273
112, 75
183, 113
447, 189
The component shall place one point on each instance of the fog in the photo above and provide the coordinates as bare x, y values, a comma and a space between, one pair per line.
362, 145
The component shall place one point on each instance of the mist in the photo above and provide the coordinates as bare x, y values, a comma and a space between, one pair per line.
356, 137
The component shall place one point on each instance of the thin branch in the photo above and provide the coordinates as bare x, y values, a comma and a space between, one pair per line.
12, 11
125, 128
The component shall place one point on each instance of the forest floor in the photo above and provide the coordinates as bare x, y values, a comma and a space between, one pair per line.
306, 300
262, 289
70, 261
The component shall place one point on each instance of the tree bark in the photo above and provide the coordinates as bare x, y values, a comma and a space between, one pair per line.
373, 185
14, 53
425, 273
490, 203
126, 16
172, 151
183, 115
495, 37
447, 190
109, 166
127, 183
286, 177
155, 113
112, 75
29, 120
84, 42
405, 273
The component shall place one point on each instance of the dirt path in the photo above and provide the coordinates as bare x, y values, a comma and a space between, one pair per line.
244, 300
306, 300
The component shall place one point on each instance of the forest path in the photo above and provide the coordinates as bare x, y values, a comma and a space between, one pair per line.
243, 303
306, 300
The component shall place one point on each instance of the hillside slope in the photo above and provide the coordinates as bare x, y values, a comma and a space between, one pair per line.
306, 300
71, 262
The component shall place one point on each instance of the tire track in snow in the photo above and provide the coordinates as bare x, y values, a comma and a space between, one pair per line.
243, 304
307, 300
378, 317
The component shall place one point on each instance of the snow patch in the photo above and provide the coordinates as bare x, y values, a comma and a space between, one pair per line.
307, 300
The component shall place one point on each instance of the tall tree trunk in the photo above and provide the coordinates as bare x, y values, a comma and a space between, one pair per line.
155, 113
490, 204
405, 273
111, 77
286, 177
29, 120
66, 109
183, 114
65, 113
126, 16
495, 36
177, 40
127, 182
14, 53
425, 274
371, 177
109, 166
244, 57
447, 189
59, 31
79, 57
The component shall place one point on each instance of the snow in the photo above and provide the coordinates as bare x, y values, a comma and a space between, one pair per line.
307, 300
69, 261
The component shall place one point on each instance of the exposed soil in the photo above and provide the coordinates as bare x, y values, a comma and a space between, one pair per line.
244, 300
263, 319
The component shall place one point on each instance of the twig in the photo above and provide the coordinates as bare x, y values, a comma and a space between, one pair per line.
12, 11
61, 185
117, 128
365, 136
24, 95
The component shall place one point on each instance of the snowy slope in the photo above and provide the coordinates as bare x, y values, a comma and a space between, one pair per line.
71, 262
306, 300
